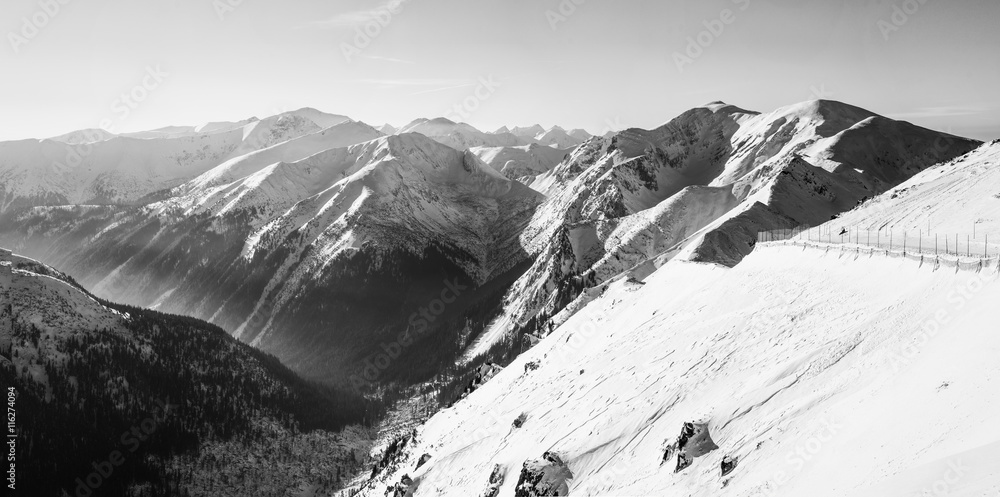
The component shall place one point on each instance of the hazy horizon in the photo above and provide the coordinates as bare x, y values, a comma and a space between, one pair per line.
593, 64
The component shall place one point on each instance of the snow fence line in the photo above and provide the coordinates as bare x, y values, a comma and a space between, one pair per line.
974, 264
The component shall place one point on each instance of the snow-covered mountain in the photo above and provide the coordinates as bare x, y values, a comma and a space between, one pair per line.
555, 136
83, 136
824, 371
460, 136
266, 251
124, 169
558, 138
307, 211
927, 201
580, 134
340, 135
628, 264
800, 164
524, 163
322, 119
527, 131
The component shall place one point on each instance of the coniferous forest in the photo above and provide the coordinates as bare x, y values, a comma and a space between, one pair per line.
166, 405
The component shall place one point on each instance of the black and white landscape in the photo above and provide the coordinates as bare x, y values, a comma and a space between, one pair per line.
791, 292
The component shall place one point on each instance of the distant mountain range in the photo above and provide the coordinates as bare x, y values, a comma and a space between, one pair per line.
264, 229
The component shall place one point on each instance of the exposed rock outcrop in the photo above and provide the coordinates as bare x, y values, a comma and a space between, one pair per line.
496, 480
544, 477
694, 441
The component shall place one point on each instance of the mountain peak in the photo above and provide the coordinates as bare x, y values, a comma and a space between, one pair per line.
441, 120
720, 106
322, 119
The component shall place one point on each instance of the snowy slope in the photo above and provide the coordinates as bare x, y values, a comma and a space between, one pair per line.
182, 131
524, 163
952, 196
824, 372
322, 119
810, 367
273, 130
46, 298
337, 136
90, 135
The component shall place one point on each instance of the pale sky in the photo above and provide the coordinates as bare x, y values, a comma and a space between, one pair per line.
598, 64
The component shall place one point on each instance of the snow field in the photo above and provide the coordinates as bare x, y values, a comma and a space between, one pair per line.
820, 384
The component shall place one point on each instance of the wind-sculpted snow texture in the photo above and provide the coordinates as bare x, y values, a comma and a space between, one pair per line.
824, 374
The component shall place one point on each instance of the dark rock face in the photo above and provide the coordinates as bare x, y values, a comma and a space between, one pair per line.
729, 464
544, 477
485, 373
694, 441
496, 480
404, 488
423, 460
519, 422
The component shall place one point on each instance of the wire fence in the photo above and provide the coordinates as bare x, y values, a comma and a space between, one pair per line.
970, 245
